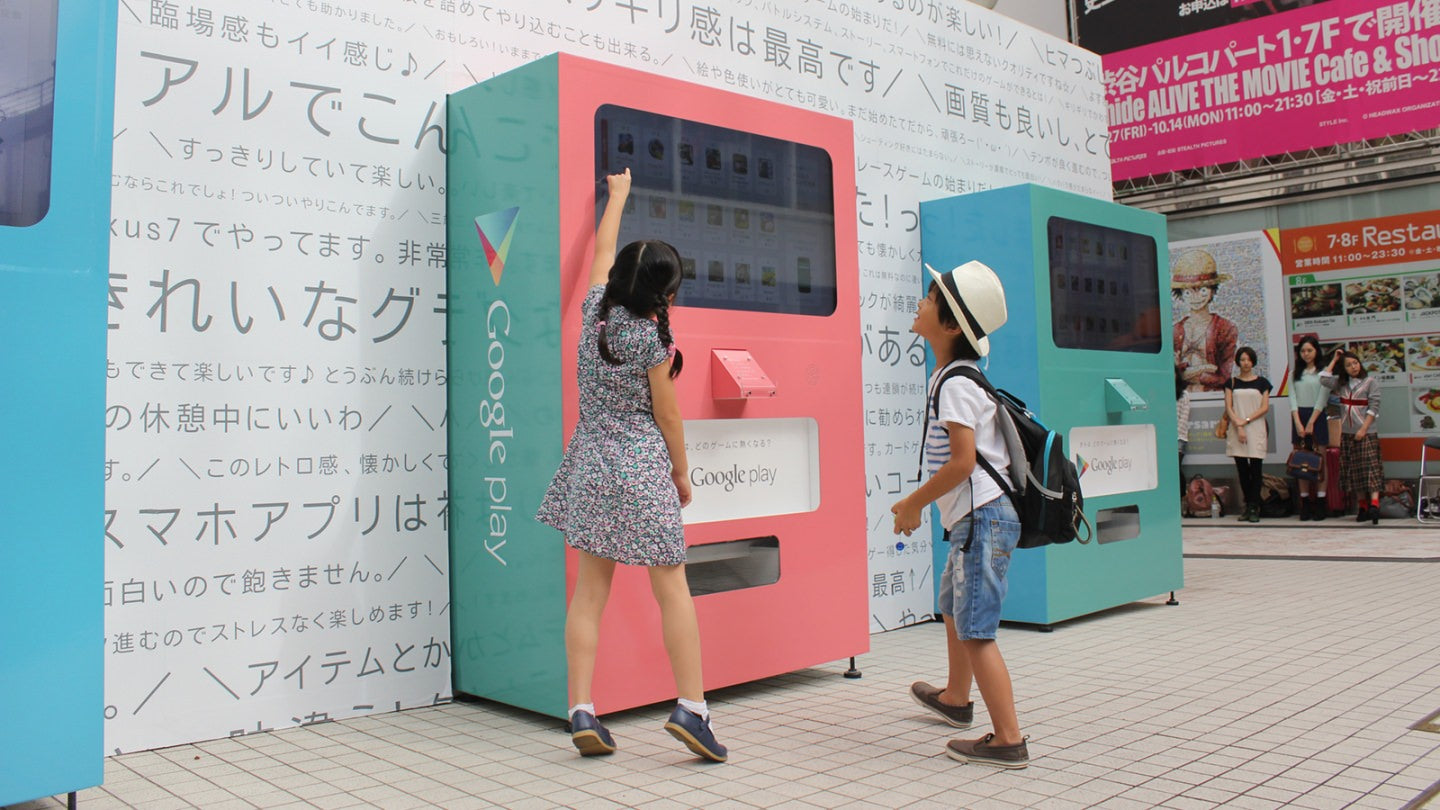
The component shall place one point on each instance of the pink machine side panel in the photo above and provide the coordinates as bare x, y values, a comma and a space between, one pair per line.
817, 611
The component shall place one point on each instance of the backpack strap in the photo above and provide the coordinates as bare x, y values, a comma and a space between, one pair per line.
933, 406
975, 375
1002, 417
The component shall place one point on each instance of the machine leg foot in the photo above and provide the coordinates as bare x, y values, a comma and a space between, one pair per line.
852, 672
1172, 600
1044, 628
71, 801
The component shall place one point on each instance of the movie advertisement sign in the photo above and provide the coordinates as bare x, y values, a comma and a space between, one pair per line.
1343, 71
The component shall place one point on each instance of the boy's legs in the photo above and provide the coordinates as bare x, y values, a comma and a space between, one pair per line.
993, 678
977, 618
951, 700
955, 693
979, 661
957, 683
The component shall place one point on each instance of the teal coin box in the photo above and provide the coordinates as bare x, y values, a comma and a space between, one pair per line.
1087, 347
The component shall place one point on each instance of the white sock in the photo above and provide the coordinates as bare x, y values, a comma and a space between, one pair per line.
583, 707
693, 707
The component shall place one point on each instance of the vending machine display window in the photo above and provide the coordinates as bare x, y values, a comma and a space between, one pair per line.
752, 217
27, 110
1104, 290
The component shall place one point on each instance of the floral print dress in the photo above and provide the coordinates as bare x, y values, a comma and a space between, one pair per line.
613, 496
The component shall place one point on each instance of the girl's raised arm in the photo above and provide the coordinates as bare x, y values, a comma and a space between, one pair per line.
608, 232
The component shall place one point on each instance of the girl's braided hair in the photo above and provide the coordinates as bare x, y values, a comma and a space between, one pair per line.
642, 279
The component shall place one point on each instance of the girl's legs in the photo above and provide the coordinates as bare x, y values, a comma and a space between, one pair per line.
993, 678
690, 721
1248, 470
1180, 465
1242, 477
680, 628
582, 623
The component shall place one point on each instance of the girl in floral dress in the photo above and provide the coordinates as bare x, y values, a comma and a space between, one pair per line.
623, 479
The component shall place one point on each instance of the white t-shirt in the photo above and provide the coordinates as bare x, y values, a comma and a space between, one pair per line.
963, 402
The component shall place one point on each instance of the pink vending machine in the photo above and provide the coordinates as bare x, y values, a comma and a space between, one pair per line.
759, 199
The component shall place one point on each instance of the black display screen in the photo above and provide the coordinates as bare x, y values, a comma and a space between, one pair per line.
753, 217
1104, 288
27, 108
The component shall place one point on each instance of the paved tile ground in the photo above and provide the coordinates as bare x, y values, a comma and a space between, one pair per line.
1334, 538
1276, 683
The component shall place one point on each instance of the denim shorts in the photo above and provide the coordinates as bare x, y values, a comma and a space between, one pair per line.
972, 587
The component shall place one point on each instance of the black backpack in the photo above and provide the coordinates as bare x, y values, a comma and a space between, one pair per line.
1048, 501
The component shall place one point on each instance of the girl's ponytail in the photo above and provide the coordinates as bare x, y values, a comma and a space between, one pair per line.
662, 321
601, 342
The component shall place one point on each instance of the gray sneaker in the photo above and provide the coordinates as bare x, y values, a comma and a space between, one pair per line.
983, 752
929, 697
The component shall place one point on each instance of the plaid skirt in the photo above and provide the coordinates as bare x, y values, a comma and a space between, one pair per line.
1361, 471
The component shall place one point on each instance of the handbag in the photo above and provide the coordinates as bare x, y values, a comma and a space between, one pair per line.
1198, 495
1304, 463
1223, 426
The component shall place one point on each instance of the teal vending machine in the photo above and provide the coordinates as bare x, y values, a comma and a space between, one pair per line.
1085, 347
57, 84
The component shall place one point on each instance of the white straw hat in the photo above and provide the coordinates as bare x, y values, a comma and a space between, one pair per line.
977, 298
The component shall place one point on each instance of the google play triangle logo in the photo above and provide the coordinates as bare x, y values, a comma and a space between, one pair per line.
496, 229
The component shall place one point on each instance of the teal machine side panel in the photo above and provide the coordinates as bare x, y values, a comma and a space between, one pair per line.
1106, 574
507, 583
1008, 229
53, 297
953, 232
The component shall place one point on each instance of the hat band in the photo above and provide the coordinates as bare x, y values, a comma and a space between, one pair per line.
949, 281
1190, 279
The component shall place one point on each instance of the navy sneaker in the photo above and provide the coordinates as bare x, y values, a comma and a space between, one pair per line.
689, 728
592, 738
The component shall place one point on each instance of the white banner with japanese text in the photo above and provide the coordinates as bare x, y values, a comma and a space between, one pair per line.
275, 523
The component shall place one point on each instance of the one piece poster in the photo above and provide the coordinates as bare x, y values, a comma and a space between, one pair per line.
1227, 295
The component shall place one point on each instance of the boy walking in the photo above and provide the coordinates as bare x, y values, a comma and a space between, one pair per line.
962, 307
